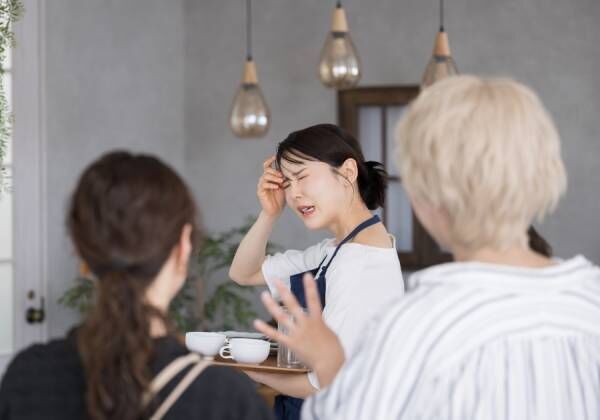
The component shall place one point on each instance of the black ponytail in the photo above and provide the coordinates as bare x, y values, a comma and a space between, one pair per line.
373, 184
537, 243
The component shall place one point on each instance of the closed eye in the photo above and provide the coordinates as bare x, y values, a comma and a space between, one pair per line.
287, 182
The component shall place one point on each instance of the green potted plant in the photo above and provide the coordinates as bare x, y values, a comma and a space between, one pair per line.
227, 307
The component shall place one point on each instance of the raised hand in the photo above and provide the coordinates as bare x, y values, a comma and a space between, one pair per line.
308, 335
270, 189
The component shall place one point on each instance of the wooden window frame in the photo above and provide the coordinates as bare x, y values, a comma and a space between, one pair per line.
425, 251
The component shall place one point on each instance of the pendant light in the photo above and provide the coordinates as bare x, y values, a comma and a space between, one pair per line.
441, 64
339, 65
250, 116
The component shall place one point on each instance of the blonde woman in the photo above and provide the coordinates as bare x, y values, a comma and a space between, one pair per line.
503, 332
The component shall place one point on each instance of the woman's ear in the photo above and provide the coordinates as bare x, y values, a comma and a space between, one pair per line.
184, 247
349, 170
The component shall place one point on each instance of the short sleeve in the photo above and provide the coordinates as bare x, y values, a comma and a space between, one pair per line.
283, 265
363, 287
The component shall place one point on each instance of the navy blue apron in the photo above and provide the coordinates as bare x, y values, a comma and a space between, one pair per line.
286, 407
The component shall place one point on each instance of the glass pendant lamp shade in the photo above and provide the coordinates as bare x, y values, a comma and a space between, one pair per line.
441, 64
339, 65
250, 116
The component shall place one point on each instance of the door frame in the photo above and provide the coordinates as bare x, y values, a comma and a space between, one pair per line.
28, 177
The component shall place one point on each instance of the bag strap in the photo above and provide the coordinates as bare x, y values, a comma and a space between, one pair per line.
167, 374
180, 389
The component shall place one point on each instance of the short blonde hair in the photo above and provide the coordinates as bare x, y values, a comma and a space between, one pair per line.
487, 153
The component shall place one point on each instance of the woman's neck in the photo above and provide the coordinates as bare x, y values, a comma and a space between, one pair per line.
157, 328
517, 256
348, 221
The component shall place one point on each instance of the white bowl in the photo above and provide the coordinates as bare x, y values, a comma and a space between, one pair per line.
248, 350
206, 343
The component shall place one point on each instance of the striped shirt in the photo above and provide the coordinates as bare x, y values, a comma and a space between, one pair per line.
478, 341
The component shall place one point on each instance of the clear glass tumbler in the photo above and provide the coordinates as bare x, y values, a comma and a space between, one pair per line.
285, 356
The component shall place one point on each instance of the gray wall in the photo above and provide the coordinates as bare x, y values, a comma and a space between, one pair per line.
160, 77
114, 72
224, 170
551, 45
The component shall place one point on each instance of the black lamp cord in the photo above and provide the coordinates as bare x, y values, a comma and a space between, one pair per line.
441, 15
249, 30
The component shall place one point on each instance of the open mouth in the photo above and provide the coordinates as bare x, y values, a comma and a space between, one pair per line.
306, 210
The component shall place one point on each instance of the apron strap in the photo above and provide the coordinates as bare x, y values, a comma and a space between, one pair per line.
296, 282
297, 285
286, 407
367, 223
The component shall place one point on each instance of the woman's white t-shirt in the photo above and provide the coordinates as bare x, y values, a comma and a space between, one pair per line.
361, 280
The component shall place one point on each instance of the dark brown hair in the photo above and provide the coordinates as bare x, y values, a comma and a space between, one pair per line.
126, 216
330, 144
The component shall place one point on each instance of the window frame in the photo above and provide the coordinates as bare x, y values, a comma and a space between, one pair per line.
425, 251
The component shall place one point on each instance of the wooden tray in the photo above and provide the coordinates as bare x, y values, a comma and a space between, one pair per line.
269, 365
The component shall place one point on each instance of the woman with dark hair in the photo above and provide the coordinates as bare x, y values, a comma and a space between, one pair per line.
132, 221
321, 173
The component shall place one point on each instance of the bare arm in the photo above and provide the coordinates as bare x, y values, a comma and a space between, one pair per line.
309, 337
296, 385
247, 262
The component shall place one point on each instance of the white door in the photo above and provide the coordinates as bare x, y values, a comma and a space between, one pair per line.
22, 207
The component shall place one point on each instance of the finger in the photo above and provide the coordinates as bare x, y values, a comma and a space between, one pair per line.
272, 178
274, 172
274, 309
271, 332
313, 300
269, 186
267, 163
290, 302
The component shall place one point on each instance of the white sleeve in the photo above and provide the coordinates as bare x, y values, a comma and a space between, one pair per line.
313, 379
283, 265
368, 288
363, 297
